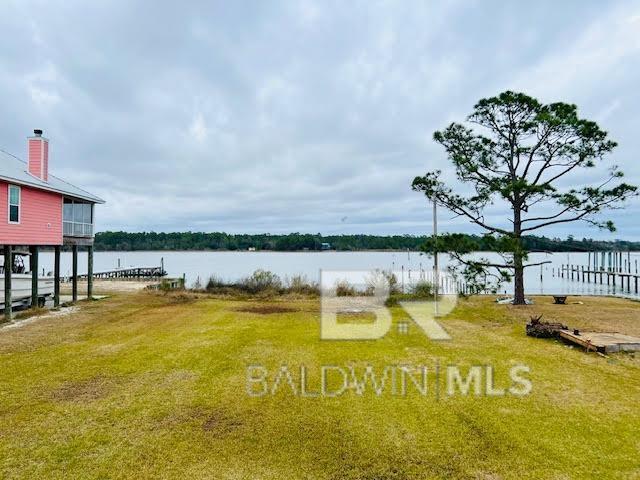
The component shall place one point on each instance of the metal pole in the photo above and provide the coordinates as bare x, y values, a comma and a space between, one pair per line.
8, 264
435, 255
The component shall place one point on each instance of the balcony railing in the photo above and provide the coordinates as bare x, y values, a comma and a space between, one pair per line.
77, 229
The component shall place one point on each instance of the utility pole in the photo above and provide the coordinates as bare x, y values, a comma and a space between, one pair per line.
435, 254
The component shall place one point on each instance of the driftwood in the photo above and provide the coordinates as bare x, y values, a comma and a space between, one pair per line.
539, 329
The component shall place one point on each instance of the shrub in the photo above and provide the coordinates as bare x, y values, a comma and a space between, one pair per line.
381, 280
419, 291
422, 289
261, 281
300, 284
215, 283
393, 282
345, 289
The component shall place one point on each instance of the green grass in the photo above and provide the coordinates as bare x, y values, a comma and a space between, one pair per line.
154, 386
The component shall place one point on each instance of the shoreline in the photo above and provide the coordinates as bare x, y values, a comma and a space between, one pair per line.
336, 251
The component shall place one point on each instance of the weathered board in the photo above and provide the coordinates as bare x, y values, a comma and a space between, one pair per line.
603, 342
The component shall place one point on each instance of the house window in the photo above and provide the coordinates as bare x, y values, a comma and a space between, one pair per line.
77, 218
14, 204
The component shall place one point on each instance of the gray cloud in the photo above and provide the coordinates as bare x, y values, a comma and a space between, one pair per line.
290, 116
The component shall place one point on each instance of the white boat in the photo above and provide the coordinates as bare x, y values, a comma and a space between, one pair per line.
21, 285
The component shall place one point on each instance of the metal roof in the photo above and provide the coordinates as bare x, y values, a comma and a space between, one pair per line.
14, 170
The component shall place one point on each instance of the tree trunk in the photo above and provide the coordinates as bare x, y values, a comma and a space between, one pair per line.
518, 280
518, 269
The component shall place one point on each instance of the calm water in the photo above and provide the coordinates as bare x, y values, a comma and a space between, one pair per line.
235, 265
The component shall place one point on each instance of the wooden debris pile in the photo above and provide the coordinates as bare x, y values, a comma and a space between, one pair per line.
539, 329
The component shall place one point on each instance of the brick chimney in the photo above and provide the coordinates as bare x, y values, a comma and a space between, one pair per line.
38, 148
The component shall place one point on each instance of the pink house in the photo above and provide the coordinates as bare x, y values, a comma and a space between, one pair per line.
39, 209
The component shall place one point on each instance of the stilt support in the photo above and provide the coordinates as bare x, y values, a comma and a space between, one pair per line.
74, 274
90, 272
33, 265
8, 266
56, 276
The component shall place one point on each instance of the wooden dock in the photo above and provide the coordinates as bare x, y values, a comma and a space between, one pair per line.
605, 268
128, 273
628, 282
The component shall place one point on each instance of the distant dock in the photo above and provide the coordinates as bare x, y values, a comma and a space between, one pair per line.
605, 268
128, 273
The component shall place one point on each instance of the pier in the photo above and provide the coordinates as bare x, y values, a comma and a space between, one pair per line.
614, 269
129, 273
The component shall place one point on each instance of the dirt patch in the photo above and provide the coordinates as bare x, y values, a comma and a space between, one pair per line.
91, 389
208, 419
265, 309
220, 423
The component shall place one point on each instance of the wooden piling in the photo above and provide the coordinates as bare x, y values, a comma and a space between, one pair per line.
56, 276
34, 275
90, 272
8, 266
74, 274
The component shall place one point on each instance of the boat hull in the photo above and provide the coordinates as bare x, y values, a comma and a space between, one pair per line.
21, 287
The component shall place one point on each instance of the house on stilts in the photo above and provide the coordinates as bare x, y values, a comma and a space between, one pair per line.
40, 210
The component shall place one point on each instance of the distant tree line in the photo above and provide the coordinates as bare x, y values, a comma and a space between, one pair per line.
126, 241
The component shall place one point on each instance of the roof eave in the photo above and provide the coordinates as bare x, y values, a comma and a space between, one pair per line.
17, 181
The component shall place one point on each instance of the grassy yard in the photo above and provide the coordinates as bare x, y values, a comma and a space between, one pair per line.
150, 386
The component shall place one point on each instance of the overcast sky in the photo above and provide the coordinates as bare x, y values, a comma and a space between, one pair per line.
297, 116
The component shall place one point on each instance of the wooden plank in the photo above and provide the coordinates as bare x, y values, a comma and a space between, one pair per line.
603, 342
